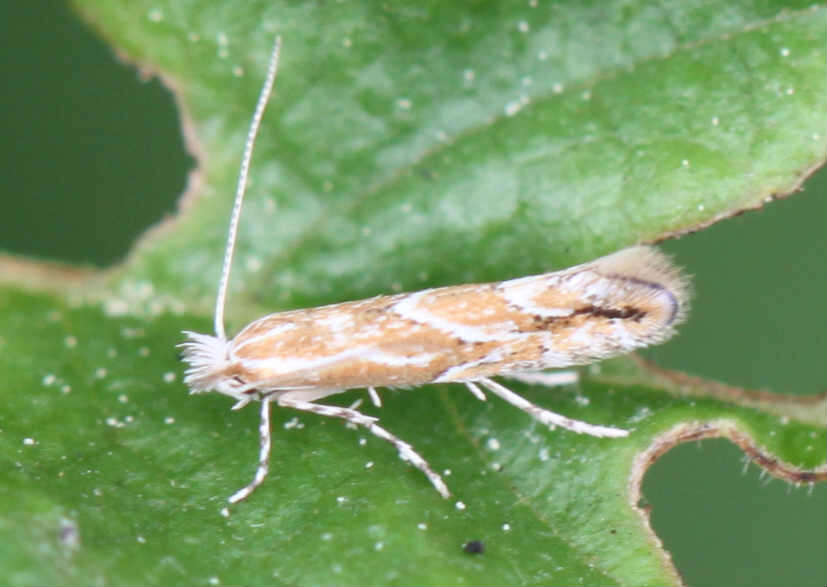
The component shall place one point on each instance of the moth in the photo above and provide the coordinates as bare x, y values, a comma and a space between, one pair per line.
465, 334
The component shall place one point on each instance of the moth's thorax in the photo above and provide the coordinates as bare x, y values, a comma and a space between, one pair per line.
604, 308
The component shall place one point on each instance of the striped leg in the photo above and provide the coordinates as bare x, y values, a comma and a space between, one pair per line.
406, 451
549, 418
263, 455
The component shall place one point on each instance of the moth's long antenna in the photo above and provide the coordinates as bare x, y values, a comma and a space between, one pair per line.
263, 98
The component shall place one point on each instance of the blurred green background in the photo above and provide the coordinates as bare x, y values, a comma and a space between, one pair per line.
92, 155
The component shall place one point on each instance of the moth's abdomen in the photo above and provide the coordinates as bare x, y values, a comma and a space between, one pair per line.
610, 306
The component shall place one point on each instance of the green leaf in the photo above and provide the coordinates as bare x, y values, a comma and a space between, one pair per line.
445, 144
407, 146
100, 439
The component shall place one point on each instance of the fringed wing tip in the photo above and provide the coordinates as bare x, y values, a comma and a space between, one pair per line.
647, 263
206, 356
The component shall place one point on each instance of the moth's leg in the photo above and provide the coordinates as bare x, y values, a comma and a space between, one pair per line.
553, 379
475, 390
406, 451
549, 418
263, 455
374, 397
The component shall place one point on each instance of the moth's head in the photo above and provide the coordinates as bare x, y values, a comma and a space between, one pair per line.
210, 367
